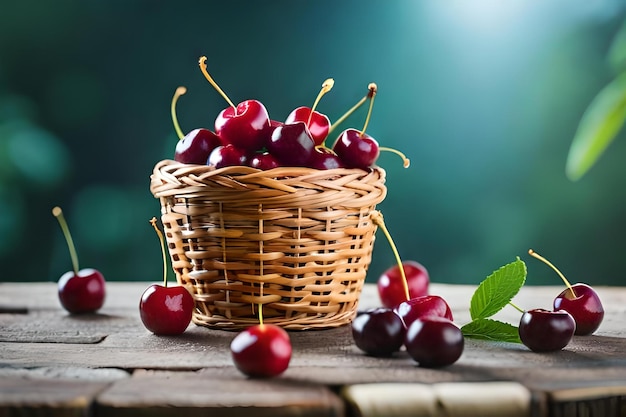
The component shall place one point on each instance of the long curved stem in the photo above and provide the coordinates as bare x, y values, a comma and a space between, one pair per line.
377, 218
58, 213
153, 222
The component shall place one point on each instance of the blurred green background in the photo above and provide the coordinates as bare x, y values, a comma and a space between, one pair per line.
484, 96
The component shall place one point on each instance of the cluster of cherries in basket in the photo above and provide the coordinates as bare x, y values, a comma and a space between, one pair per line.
245, 135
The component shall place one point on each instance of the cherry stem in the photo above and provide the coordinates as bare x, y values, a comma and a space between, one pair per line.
326, 87
373, 89
261, 267
58, 213
377, 218
371, 92
515, 306
153, 222
261, 308
545, 261
179, 92
202, 64
406, 162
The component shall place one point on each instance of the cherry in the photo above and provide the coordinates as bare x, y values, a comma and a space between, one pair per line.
263, 350
165, 310
580, 300
378, 332
263, 161
378, 220
434, 342
80, 290
317, 123
358, 149
424, 306
245, 125
583, 303
324, 158
195, 146
545, 331
226, 156
291, 144
390, 284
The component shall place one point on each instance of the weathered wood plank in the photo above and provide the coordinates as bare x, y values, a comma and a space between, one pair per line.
115, 338
221, 392
47, 397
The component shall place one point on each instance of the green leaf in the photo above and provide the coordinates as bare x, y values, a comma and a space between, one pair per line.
617, 51
598, 126
497, 290
488, 329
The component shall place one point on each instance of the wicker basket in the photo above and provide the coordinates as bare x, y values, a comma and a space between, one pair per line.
297, 240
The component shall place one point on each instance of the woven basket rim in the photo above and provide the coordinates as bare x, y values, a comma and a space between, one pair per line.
243, 170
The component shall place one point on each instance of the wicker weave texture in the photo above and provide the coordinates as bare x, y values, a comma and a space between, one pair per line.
297, 240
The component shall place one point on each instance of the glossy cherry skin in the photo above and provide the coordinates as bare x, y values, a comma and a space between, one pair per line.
324, 158
226, 156
391, 288
356, 150
421, 307
318, 126
261, 351
434, 342
263, 161
546, 331
166, 310
244, 127
196, 147
378, 332
83, 292
585, 306
291, 144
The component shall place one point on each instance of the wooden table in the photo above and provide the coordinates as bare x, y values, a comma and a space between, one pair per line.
108, 364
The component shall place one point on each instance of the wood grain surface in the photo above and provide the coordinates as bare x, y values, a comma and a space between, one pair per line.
109, 364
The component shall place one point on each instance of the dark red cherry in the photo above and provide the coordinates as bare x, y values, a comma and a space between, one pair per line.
264, 161
79, 290
166, 310
356, 149
580, 300
244, 126
196, 146
227, 155
584, 304
324, 158
262, 351
82, 292
424, 306
546, 331
291, 144
378, 332
318, 123
390, 284
434, 342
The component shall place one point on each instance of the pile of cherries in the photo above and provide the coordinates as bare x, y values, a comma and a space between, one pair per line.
422, 323
246, 135
577, 310
409, 316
